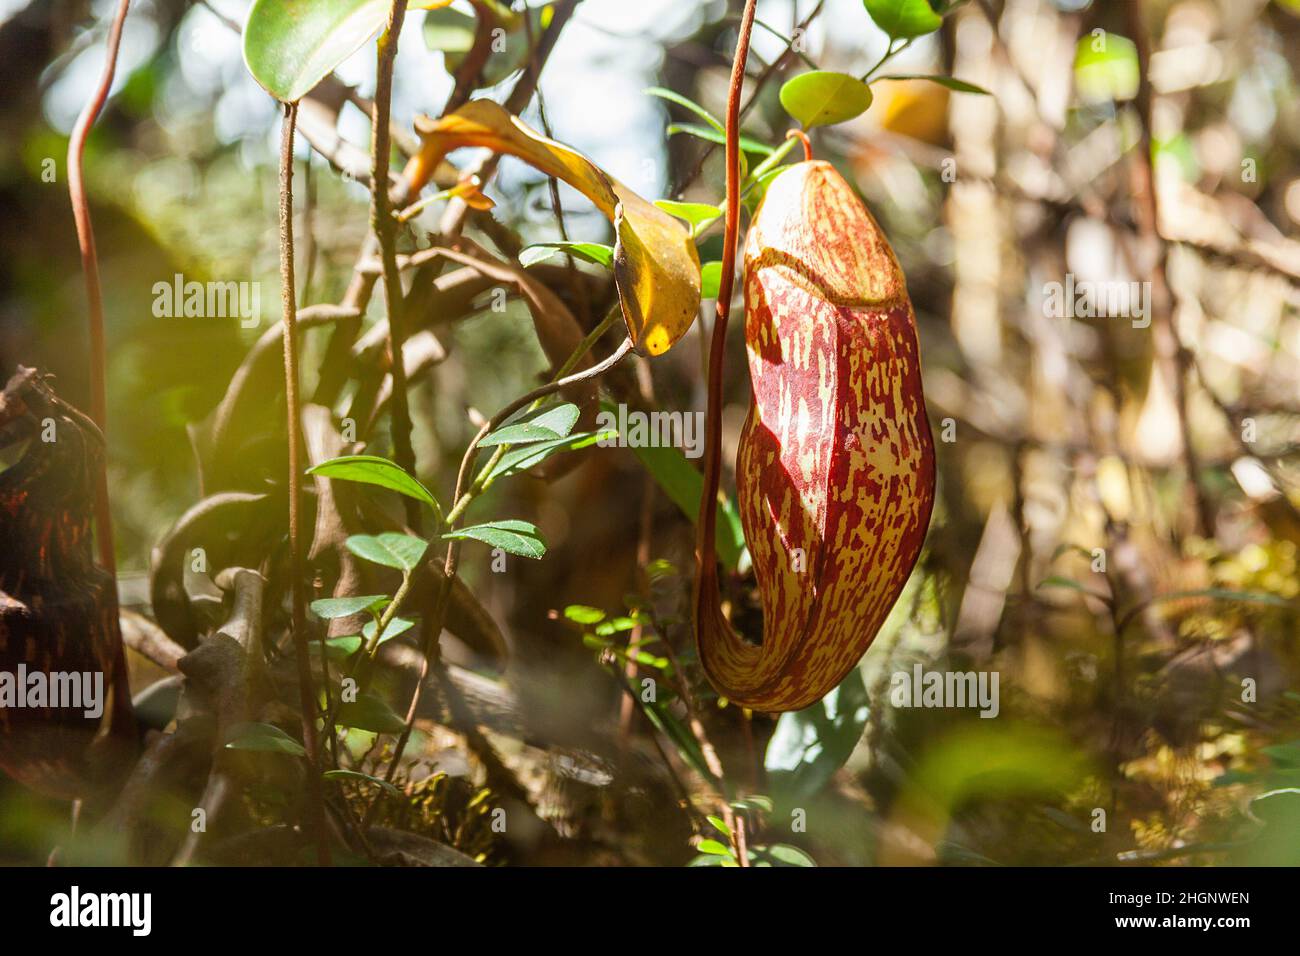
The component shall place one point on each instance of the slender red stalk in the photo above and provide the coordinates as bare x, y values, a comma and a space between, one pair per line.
90, 268
807, 143
706, 579
706, 550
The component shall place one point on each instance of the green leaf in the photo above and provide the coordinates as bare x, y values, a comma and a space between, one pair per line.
720, 826
714, 848
660, 568
341, 648
597, 252
449, 31
615, 626
263, 737
396, 627
291, 45
754, 802
810, 745
961, 86
1284, 755
367, 778
330, 608
780, 854
710, 280
823, 98
529, 456
582, 614
747, 144
903, 19
698, 214
1106, 68
392, 550
372, 713
691, 105
372, 470
511, 535
543, 424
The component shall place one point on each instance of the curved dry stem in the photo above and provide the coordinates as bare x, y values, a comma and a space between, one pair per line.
90, 267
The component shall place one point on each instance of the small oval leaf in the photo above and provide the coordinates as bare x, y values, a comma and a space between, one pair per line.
597, 252
543, 424
698, 214
511, 535
330, 608
263, 737
371, 713
362, 777
373, 470
291, 45
823, 98
392, 550
904, 19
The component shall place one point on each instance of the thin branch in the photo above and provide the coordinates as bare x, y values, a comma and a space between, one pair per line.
94, 295
315, 804
706, 549
453, 546
385, 229
768, 72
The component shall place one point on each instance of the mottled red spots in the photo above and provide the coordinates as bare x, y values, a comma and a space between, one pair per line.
835, 470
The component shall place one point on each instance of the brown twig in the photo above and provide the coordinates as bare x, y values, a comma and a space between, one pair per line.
385, 229
477, 57
706, 553
299, 620
90, 268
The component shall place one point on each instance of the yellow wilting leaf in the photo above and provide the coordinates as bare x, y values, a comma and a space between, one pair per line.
835, 472
470, 192
656, 267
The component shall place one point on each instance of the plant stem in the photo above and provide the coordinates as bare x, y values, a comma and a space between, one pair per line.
385, 229
707, 525
889, 51
94, 295
366, 653
390, 612
706, 549
484, 480
122, 721
315, 804
770, 163
453, 546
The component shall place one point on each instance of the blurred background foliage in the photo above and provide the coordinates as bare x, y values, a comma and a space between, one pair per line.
1141, 684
